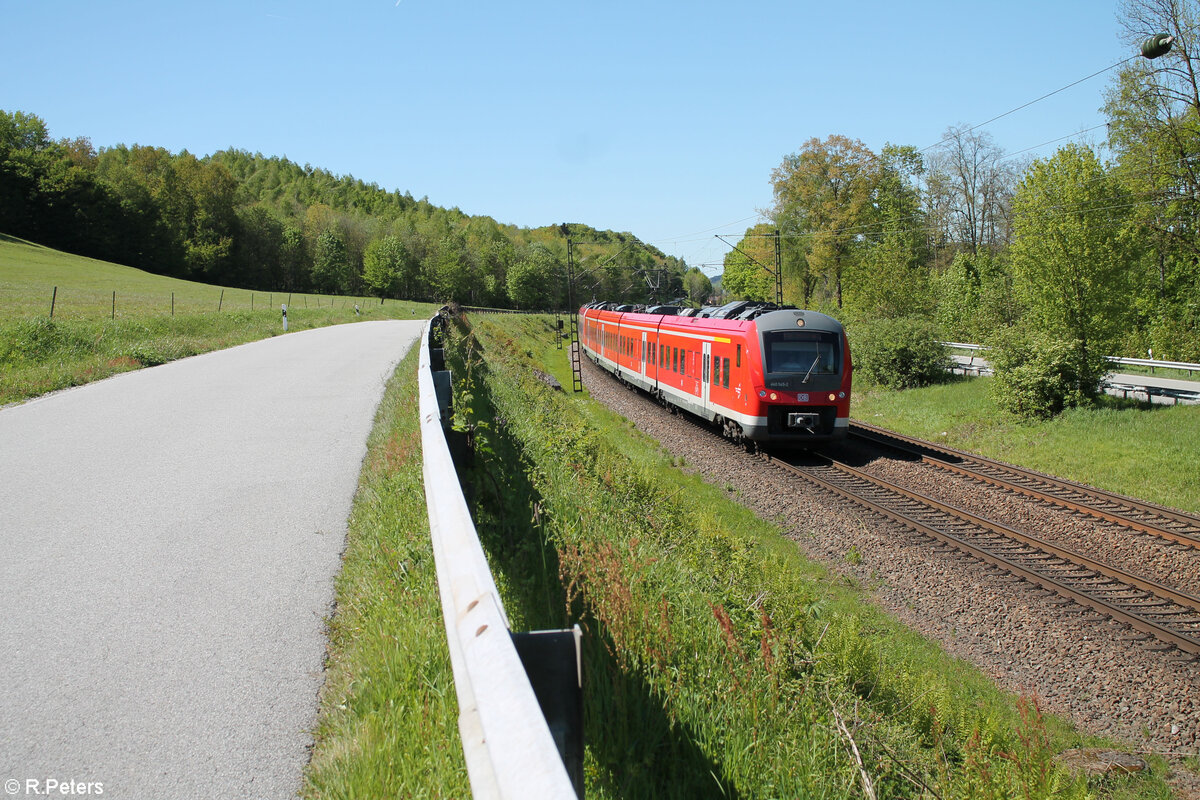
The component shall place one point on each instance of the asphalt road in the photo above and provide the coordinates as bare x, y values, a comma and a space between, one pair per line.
168, 543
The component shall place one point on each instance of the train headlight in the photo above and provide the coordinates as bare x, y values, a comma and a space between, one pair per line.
832, 397
800, 322
774, 396
761, 393
841, 395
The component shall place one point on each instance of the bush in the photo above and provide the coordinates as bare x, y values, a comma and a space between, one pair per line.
899, 353
1037, 376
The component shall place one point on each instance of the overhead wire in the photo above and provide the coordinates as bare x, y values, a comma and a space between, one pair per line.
1030, 103
944, 140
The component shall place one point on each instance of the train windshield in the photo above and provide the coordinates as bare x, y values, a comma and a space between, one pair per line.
806, 352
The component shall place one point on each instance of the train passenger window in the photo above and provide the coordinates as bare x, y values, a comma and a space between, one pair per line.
739, 355
725, 370
674, 359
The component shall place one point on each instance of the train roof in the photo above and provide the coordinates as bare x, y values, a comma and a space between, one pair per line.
764, 316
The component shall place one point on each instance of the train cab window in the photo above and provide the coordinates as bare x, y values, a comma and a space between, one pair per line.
725, 371
806, 352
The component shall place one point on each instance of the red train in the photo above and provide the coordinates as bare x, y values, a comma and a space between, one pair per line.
765, 375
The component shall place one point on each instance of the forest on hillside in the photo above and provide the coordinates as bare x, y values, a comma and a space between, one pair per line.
1099, 252
248, 220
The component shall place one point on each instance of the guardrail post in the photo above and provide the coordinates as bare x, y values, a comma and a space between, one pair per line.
553, 662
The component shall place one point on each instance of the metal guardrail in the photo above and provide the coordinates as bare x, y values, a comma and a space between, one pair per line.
1153, 362
1132, 362
1139, 391
510, 749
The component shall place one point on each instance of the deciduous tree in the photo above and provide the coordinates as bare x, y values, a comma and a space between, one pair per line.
1069, 255
823, 193
535, 280
746, 274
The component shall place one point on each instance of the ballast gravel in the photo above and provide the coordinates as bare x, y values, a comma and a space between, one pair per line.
1108, 678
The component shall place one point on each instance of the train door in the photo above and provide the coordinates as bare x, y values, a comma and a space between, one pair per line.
705, 375
644, 353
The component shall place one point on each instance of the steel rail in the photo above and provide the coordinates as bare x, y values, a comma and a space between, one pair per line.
1091, 495
1182, 598
1184, 642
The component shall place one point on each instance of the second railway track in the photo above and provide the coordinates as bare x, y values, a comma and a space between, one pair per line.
1150, 519
1169, 615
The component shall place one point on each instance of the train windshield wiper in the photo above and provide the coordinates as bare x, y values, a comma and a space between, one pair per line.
811, 368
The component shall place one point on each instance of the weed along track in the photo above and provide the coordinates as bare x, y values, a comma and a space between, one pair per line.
1050, 631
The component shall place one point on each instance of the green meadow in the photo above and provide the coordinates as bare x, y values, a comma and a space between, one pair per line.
108, 318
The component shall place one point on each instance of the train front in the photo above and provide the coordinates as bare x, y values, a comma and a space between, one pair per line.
803, 389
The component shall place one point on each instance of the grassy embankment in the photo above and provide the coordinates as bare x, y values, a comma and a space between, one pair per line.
719, 662
85, 342
1125, 447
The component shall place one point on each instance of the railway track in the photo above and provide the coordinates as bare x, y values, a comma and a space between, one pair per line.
1168, 615
1147, 518
1171, 616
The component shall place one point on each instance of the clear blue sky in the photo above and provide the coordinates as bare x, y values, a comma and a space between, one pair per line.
660, 118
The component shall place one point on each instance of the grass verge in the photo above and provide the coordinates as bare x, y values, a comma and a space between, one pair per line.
388, 714
719, 662
1135, 449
